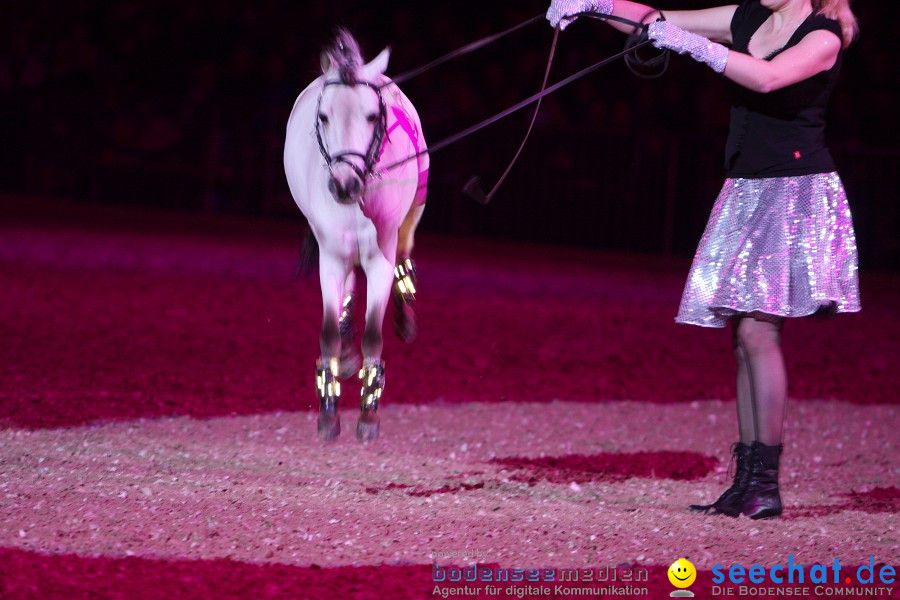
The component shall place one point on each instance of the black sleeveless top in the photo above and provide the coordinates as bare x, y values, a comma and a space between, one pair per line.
782, 133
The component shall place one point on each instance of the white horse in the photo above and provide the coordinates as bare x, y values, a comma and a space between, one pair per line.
345, 127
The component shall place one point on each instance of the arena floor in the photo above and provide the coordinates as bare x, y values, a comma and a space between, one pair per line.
157, 424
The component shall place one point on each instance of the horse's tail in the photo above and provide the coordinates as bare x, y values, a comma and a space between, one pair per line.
309, 255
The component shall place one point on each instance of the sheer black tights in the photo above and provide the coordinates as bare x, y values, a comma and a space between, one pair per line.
761, 377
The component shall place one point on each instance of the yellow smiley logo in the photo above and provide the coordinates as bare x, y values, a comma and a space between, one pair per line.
682, 573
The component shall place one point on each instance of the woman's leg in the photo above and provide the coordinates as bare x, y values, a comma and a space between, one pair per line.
731, 501
761, 392
745, 412
759, 340
760, 337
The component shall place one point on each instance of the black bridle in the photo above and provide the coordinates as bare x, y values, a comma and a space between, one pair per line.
370, 157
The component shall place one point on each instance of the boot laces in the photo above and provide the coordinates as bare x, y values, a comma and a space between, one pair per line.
732, 463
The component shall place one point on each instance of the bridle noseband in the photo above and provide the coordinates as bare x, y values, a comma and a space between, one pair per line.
375, 145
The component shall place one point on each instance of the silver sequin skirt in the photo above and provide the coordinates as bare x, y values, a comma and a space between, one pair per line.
783, 246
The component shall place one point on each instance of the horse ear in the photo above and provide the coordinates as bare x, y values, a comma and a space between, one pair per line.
327, 62
379, 64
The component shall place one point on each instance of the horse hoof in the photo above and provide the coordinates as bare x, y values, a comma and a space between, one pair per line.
329, 427
405, 326
368, 426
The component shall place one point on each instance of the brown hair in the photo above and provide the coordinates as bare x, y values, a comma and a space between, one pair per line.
839, 10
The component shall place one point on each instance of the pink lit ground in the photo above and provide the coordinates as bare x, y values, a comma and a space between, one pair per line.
158, 424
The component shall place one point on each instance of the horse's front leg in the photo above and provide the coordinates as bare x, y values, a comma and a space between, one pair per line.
332, 278
379, 278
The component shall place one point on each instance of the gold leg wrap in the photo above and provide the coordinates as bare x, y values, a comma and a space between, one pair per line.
405, 281
372, 377
404, 292
328, 391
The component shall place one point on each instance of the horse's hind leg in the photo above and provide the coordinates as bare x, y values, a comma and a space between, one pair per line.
350, 356
404, 289
406, 239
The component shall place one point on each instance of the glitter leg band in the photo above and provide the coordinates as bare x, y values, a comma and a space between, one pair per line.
404, 292
405, 281
328, 390
372, 377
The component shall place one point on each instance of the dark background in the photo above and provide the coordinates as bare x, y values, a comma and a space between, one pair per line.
182, 105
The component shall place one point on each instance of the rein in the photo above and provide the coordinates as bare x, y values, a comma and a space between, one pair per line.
490, 121
490, 39
470, 47
472, 187
637, 40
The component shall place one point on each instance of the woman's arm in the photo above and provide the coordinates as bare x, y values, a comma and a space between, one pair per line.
713, 23
816, 52
701, 34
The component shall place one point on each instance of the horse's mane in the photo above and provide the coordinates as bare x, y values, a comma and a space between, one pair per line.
345, 52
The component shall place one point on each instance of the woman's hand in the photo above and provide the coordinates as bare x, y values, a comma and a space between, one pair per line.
560, 12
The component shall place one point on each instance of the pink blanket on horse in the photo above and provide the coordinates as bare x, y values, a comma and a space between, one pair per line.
398, 118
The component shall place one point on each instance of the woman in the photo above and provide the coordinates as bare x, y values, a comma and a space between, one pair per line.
779, 242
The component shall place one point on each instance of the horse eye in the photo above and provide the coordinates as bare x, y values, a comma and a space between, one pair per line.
324, 118
371, 117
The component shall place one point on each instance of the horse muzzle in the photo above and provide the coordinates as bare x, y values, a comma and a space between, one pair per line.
347, 189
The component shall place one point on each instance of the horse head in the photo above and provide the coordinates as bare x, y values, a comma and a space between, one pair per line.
351, 116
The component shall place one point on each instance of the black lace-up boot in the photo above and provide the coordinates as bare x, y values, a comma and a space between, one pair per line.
730, 502
761, 499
